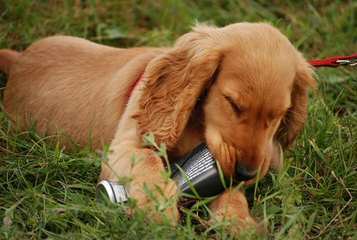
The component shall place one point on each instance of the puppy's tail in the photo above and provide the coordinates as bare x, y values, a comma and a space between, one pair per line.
7, 59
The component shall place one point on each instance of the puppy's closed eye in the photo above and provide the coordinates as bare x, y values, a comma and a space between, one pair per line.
236, 107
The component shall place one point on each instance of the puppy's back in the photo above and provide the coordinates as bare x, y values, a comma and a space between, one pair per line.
70, 84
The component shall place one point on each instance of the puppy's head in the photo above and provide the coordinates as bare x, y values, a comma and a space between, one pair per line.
256, 94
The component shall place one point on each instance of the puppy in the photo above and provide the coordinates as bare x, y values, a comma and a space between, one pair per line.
242, 89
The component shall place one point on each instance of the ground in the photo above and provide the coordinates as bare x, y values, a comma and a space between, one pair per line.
48, 192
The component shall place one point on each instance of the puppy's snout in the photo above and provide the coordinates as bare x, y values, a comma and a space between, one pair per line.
244, 173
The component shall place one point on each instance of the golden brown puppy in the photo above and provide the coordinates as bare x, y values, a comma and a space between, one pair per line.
242, 89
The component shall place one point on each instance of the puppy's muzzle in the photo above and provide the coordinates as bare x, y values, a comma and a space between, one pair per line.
244, 173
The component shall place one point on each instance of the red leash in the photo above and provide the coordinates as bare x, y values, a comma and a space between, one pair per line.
335, 61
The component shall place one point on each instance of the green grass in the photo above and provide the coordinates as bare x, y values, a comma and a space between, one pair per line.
48, 192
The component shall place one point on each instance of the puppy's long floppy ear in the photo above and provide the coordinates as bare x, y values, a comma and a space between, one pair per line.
174, 82
295, 118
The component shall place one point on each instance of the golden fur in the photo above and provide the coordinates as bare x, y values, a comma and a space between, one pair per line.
242, 89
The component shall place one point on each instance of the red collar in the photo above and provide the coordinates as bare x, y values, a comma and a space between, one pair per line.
132, 87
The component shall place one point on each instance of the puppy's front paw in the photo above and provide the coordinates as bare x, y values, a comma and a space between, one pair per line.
232, 207
154, 192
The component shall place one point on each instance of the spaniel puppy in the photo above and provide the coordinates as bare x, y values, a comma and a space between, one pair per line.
242, 89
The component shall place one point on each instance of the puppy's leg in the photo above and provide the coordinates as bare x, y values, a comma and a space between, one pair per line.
154, 192
148, 185
232, 206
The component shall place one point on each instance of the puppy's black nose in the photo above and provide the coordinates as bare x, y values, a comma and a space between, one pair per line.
244, 173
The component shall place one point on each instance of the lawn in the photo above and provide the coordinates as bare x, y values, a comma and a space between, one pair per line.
47, 192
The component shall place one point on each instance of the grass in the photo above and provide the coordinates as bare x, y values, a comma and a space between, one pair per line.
48, 192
